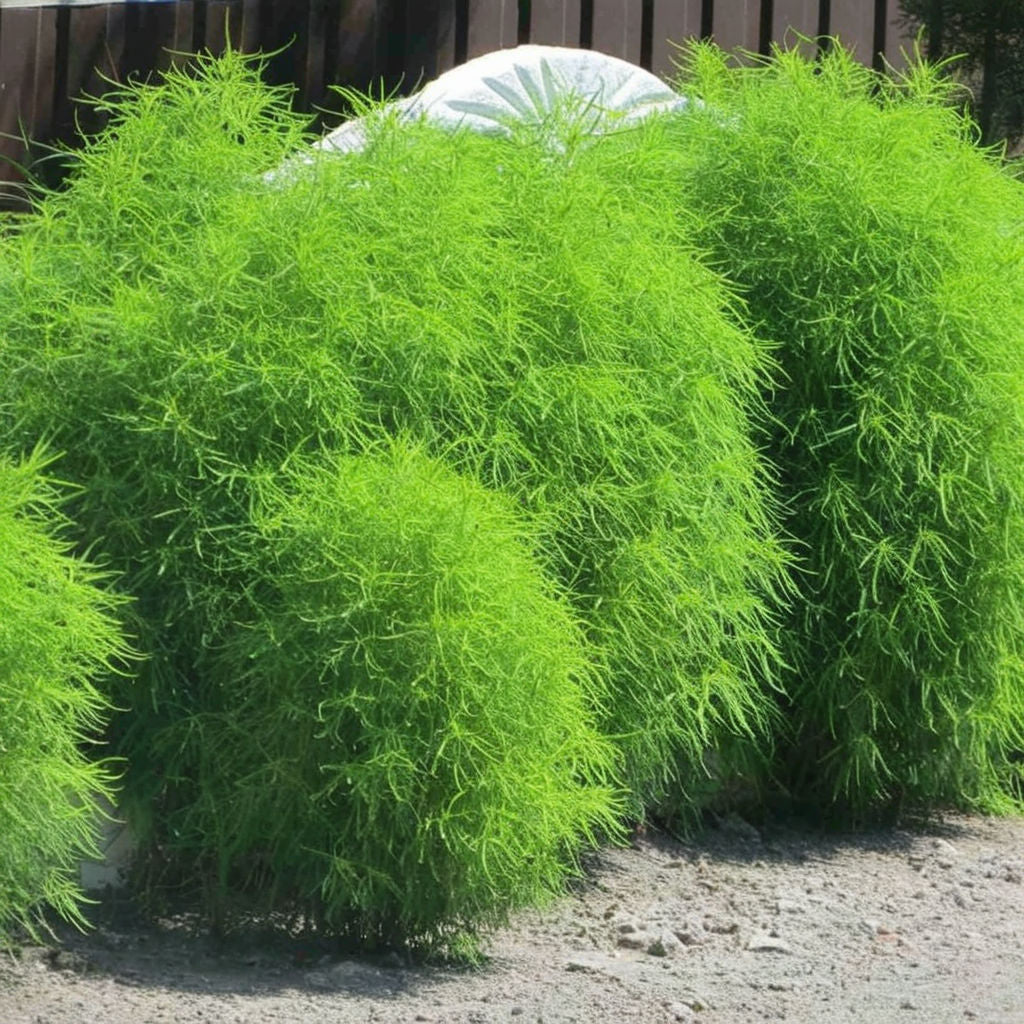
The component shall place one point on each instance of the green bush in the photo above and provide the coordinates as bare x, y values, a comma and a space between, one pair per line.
57, 634
536, 320
405, 740
883, 252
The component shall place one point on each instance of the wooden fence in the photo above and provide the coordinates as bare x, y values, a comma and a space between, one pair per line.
53, 51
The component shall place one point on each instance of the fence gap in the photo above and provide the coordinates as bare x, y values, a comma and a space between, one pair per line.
586, 24
646, 34
523, 27
878, 37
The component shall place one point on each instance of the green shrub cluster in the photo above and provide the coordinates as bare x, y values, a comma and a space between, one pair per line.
57, 634
883, 252
539, 330
440, 473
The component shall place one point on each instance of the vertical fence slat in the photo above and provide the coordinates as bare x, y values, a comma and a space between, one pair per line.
149, 30
617, 28
223, 23
356, 50
444, 44
736, 23
854, 26
899, 37
430, 40
89, 57
555, 22
249, 30
164, 25
114, 45
493, 25
674, 22
315, 70
792, 17
18, 48
184, 13
45, 78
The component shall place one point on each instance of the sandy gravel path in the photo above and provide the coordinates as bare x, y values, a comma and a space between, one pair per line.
923, 926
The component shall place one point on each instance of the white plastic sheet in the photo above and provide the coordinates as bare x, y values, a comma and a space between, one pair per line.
524, 86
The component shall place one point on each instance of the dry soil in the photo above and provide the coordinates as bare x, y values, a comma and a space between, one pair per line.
919, 925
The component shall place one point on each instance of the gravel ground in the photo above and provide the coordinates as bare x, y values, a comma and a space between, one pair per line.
923, 926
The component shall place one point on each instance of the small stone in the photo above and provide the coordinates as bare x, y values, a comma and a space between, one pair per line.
517, 1011
627, 928
691, 934
720, 926
664, 945
68, 960
786, 906
761, 943
732, 824
681, 1012
908, 1004
632, 941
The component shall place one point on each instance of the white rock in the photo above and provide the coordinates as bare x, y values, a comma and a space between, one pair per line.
762, 943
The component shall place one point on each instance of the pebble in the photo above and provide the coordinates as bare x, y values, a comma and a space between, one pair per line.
691, 933
346, 974
762, 943
732, 824
680, 1011
69, 960
579, 966
664, 945
720, 926
786, 906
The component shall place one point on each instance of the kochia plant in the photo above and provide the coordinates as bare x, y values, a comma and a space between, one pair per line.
537, 320
405, 736
57, 635
884, 252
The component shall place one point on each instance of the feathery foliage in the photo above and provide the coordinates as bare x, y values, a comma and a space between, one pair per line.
535, 319
405, 739
885, 254
57, 634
